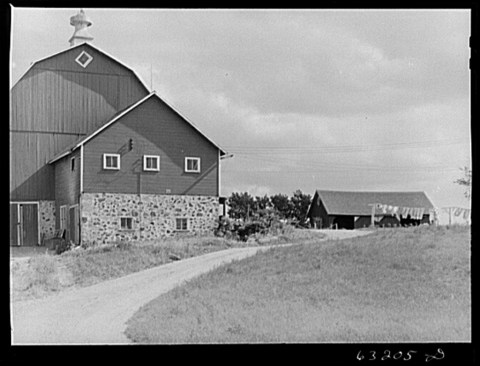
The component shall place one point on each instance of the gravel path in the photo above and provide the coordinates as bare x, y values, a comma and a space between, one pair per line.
97, 314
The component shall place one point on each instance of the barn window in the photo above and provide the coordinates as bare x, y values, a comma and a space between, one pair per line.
192, 165
126, 223
111, 161
151, 163
72, 164
83, 59
181, 224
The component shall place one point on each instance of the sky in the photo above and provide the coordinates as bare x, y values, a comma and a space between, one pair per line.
303, 99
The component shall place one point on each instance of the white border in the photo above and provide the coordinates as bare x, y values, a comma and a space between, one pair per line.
90, 59
145, 157
120, 223
186, 166
182, 218
105, 167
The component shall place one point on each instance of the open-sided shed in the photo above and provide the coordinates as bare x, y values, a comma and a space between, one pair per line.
352, 210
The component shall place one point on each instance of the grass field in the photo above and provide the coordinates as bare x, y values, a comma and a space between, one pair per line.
396, 285
46, 274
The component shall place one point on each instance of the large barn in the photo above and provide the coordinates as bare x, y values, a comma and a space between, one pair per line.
96, 155
353, 210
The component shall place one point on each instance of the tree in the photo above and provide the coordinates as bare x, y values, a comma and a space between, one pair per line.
262, 202
300, 203
466, 181
241, 205
281, 203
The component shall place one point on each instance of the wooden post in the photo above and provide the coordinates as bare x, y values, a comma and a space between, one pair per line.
372, 219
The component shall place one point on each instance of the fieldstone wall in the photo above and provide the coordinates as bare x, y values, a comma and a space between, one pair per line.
46, 218
153, 215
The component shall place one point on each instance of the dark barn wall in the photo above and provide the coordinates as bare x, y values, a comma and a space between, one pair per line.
54, 104
67, 183
318, 210
363, 221
155, 130
31, 178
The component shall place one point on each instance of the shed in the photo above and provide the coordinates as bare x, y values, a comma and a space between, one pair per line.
353, 209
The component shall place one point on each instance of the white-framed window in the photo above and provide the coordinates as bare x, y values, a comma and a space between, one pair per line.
181, 224
63, 217
151, 163
84, 59
111, 161
126, 223
192, 165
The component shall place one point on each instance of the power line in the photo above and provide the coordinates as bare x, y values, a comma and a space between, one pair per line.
341, 149
340, 167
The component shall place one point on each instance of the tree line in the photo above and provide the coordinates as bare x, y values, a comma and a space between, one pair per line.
246, 207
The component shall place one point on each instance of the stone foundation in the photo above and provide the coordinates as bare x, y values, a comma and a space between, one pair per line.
153, 216
46, 218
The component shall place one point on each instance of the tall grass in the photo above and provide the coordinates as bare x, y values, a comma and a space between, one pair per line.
397, 285
45, 274
40, 277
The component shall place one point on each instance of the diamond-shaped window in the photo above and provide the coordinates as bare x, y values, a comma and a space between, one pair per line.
84, 59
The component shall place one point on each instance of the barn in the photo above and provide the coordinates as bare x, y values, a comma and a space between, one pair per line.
355, 209
98, 156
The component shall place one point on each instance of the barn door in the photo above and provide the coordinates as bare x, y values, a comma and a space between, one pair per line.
29, 224
74, 224
24, 224
14, 224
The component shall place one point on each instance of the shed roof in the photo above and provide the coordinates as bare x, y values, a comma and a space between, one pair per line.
357, 203
115, 118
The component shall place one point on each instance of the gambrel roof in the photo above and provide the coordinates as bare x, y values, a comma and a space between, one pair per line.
357, 203
45, 60
119, 115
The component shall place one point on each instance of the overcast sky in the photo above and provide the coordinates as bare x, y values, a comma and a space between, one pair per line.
314, 99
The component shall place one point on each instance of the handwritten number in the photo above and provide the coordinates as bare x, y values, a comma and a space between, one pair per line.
373, 355
399, 353
438, 356
409, 354
386, 356
360, 356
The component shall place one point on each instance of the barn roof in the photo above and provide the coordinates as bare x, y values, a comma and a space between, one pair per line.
96, 49
357, 203
115, 118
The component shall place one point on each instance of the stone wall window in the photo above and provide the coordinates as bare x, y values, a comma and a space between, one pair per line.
111, 161
192, 165
126, 223
181, 224
151, 163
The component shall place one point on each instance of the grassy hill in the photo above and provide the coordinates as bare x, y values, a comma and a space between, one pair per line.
396, 285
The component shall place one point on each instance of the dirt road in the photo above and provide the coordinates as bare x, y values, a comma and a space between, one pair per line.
97, 314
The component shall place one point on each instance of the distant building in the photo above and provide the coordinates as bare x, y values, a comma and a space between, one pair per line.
353, 210
95, 153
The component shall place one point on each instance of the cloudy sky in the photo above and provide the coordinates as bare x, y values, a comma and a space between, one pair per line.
304, 99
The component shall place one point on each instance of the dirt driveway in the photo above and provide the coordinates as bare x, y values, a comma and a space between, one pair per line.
97, 314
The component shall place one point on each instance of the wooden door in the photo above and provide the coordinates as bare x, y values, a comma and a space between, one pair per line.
14, 224
29, 224
74, 225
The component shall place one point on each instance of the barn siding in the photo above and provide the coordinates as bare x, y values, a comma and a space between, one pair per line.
156, 130
30, 177
53, 105
67, 182
318, 210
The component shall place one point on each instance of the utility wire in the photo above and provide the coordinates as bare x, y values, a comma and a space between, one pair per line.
342, 149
